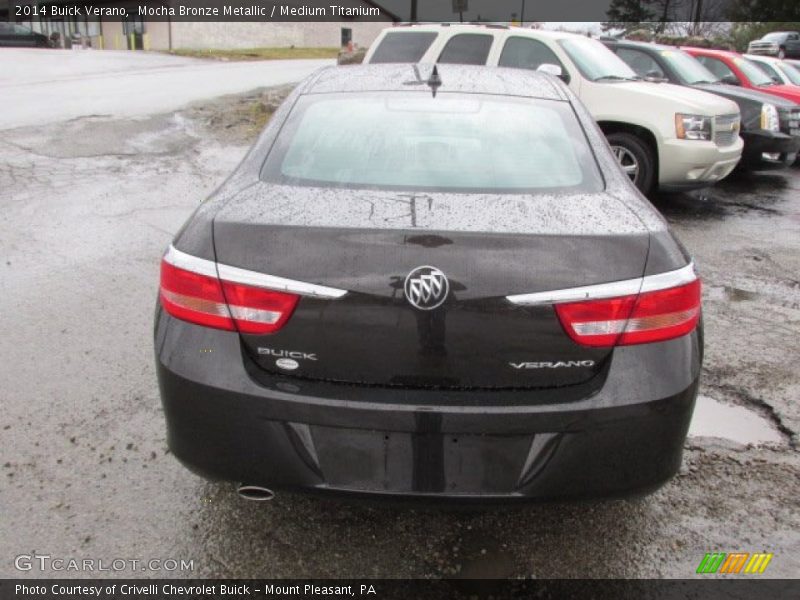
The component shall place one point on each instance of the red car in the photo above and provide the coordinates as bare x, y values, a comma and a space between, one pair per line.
734, 69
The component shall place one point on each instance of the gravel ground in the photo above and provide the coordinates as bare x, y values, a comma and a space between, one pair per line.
88, 207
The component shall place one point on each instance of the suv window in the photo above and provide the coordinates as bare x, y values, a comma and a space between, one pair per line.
717, 67
473, 143
525, 53
775, 37
641, 62
467, 49
403, 46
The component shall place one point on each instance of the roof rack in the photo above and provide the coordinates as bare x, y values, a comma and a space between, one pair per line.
488, 25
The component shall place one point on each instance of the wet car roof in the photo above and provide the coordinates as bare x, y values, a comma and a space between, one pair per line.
455, 78
638, 44
713, 51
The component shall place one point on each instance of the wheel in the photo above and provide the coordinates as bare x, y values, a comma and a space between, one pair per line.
781, 53
635, 158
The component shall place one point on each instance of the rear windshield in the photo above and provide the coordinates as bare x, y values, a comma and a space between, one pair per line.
403, 47
453, 142
467, 49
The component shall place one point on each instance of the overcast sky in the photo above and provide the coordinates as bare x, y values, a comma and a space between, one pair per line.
501, 10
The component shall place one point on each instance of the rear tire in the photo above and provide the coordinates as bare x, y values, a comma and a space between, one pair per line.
635, 158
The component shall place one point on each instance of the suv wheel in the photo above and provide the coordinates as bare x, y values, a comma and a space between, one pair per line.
635, 158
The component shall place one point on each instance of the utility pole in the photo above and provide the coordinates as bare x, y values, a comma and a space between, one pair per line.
698, 15
664, 16
413, 18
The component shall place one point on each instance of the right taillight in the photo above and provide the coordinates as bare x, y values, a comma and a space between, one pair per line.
200, 297
637, 319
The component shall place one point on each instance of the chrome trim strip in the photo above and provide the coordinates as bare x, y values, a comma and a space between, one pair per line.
187, 262
663, 281
246, 277
626, 287
256, 279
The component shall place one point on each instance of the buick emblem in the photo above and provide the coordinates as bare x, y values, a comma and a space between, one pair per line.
426, 288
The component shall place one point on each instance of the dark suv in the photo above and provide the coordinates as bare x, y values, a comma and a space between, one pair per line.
13, 35
770, 125
783, 44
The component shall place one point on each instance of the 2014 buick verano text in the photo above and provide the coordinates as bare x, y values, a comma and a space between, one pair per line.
429, 284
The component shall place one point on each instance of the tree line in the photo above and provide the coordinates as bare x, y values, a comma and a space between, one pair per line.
737, 21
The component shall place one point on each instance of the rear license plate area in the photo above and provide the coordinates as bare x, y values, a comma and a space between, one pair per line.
420, 463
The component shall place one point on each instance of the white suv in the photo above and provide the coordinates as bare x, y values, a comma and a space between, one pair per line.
778, 70
666, 135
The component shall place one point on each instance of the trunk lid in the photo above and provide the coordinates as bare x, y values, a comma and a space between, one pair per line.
487, 246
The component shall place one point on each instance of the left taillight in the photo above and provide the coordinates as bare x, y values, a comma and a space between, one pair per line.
199, 297
636, 319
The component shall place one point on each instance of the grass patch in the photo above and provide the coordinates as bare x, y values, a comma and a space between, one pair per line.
238, 118
260, 114
258, 53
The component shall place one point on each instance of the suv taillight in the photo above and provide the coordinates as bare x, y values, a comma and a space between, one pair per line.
205, 300
640, 319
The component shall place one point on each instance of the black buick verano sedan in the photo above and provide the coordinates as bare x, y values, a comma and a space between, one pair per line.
429, 284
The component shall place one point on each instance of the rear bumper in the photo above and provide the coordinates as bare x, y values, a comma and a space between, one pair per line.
761, 141
281, 433
685, 165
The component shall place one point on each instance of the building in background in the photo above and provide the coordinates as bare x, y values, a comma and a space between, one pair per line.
141, 33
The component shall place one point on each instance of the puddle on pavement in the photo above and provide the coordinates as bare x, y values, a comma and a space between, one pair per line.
739, 295
745, 193
733, 294
715, 419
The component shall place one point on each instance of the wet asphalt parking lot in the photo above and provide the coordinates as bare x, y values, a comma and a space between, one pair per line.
88, 206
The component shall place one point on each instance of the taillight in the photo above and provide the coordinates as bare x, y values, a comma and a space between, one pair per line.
256, 310
194, 297
199, 297
637, 319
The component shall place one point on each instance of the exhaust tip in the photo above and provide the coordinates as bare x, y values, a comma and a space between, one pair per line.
255, 493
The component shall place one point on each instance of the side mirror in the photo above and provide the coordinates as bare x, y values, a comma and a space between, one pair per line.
655, 77
554, 70
731, 80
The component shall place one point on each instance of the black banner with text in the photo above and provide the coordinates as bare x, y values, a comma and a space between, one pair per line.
495, 11
108, 589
